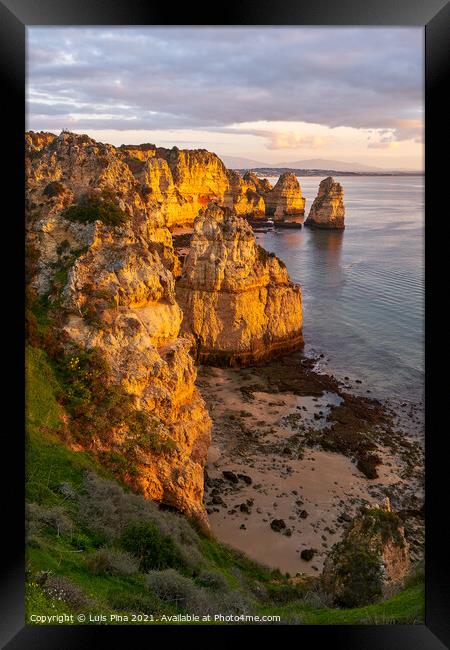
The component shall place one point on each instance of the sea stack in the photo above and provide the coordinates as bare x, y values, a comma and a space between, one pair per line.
285, 199
239, 303
327, 210
371, 560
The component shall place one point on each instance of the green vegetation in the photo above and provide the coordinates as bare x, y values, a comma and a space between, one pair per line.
358, 572
94, 547
92, 208
153, 549
95, 407
387, 523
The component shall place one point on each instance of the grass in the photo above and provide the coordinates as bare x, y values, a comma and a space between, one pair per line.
56, 477
406, 607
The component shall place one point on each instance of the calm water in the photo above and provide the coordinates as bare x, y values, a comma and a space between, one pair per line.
363, 289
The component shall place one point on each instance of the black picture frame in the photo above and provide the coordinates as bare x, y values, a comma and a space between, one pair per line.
15, 16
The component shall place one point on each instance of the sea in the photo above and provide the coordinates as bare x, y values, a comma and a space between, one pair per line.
363, 288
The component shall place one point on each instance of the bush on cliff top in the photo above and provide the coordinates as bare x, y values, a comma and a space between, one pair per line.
150, 547
96, 208
53, 189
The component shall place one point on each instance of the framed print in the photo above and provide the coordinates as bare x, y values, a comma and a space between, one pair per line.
229, 251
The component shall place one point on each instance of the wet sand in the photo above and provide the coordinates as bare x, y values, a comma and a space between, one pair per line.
315, 492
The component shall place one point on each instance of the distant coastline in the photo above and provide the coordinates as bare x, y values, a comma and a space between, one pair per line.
276, 171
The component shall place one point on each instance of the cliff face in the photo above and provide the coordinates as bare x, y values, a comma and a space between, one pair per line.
175, 183
117, 296
98, 245
261, 185
327, 210
238, 301
199, 177
285, 198
243, 196
35, 141
120, 300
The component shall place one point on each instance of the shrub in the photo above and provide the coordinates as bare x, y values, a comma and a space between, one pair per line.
60, 588
318, 597
53, 189
180, 591
55, 518
153, 549
213, 580
111, 561
107, 509
96, 208
172, 587
358, 574
233, 602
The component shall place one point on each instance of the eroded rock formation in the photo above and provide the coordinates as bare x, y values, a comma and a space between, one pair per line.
98, 245
285, 199
238, 301
327, 210
261, 185
243, 196
175, 183
371, 561
120, 300
117, 297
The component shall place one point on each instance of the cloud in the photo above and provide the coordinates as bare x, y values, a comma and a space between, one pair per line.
389, 144
409, 129
210, 78
290, 140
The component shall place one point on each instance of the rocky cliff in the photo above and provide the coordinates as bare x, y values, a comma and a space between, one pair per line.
106, 260
238, 301
285, 199
99, 249
176, 183
327, 210
261, 185
371, 561
243, 196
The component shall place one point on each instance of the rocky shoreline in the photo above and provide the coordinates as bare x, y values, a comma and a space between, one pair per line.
294, 453
283, 481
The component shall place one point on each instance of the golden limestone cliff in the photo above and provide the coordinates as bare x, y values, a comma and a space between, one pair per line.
243, 196
238, 302
116, 297
199, 176
99, 250
177, 183
120, 300
35, 141
285, 201
327, 210
261, 185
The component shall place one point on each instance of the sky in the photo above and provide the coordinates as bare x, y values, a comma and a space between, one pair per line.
270, 94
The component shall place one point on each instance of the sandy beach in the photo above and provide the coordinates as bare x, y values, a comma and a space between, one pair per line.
261, 440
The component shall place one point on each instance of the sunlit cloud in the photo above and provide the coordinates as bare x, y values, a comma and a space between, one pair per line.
212, 79
295, 141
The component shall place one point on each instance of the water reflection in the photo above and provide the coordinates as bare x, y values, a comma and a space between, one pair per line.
362, 287
328, 242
